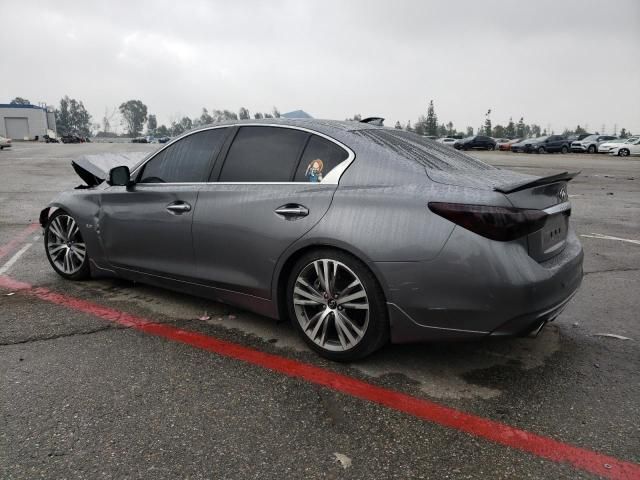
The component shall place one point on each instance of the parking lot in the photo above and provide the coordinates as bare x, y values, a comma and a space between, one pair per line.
106, 378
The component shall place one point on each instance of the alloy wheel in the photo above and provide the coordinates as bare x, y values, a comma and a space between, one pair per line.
65, 245
623, 152
331, 305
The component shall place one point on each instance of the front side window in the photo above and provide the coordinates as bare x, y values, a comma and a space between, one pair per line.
319, 158
187, 160
263, 154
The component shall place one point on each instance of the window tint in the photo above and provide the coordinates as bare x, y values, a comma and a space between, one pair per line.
263, 154
187, 160
319, 158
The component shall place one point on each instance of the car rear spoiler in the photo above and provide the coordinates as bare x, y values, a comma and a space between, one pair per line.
516, 187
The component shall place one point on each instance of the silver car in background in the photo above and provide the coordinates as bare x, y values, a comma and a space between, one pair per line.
358, 234
591, 143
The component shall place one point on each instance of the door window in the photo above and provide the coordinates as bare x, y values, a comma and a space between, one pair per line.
319, 158
263, 154
187, 160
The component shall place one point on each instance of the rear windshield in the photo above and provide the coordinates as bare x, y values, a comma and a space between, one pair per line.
429, 153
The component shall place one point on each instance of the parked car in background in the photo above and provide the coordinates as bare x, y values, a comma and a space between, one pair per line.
575, 138
49, 139
4, 143
164, 139
606, 147
70, 138
504, 144
591, 143
140, 140
626, 149
447, 141
547, 144
475, 142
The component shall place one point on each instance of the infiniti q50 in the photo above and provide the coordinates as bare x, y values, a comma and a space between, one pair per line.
357, 233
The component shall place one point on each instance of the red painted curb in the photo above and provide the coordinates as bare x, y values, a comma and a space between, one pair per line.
18, 239
543, 447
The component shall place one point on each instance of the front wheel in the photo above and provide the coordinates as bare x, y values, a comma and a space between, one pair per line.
337, 305
623, 152
541, 150
591, 149
65, 247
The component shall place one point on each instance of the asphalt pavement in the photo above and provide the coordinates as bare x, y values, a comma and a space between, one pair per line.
84, 394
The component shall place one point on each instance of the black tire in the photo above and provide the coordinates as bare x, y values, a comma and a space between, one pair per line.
83, 271
540, 150
623, 152
591, 149
564, 149
376, 334
491, 147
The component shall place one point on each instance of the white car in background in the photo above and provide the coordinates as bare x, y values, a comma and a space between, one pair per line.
4, 142
626, 149
611, 144
447, 141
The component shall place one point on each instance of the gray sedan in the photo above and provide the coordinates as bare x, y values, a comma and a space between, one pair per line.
358, 234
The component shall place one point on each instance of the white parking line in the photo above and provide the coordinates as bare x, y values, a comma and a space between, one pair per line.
5, 268
608, 237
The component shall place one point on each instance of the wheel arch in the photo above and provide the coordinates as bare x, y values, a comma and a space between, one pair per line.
289, 258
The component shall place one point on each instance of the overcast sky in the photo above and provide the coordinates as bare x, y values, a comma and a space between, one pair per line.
556, 63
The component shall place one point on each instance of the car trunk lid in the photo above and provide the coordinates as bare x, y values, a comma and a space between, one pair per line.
550, 195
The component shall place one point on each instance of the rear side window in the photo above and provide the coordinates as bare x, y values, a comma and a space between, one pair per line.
187, 160
319, 158
263, 154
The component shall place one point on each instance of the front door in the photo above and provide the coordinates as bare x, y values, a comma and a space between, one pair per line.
147, 228
270, 191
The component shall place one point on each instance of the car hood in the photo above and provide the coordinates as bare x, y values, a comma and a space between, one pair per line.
94, 169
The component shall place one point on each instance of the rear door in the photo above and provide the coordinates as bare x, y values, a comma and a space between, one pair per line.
147, 228
273, 186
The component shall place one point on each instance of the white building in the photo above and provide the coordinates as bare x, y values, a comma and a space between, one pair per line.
26, 122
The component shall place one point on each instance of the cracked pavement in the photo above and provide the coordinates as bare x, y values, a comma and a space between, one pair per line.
84, 398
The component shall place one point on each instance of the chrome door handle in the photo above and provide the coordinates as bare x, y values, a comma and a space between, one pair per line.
292, 211
178, 207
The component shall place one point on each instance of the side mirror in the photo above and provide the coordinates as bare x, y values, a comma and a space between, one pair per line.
120, 176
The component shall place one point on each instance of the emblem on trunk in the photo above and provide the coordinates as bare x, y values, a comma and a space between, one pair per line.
562, 195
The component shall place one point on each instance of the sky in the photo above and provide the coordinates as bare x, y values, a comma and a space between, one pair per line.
556, 63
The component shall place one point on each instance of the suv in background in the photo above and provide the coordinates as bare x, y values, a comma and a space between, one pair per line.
548, 144
591, 143
477, 141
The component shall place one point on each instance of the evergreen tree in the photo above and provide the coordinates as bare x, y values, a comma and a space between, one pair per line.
623, 133
431, 123
243, 114
487, 123
408, 127
398, 126
521, 129
469, 131
510, 130
276, 112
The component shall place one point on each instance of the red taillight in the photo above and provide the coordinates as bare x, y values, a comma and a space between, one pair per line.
497, 223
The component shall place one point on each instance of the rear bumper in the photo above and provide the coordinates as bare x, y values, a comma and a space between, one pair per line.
477, 288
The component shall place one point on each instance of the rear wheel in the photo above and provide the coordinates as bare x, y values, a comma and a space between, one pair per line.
623, 152
591, 149
564, 149
337, 305
65, 247
491, 147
